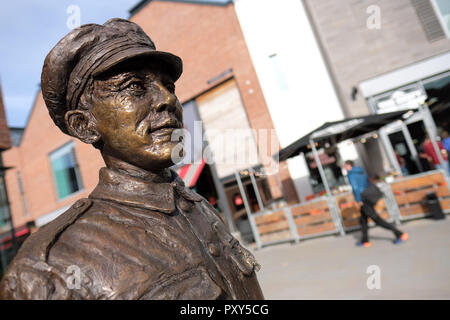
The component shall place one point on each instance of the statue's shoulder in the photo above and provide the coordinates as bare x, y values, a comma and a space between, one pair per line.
39, 243
29, 276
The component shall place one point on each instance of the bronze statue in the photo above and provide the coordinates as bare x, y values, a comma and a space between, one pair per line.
141, 234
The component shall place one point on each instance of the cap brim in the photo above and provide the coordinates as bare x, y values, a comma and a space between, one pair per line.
173, 61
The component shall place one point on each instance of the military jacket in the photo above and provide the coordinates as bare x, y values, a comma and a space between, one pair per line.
134, 239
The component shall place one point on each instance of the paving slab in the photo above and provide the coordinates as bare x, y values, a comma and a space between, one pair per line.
333, 267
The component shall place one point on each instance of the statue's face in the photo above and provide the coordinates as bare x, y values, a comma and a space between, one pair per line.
136, 111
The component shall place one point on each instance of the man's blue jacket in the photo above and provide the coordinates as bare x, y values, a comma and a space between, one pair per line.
358, 180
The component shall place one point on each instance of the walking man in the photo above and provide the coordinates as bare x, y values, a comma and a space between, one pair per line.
362, 188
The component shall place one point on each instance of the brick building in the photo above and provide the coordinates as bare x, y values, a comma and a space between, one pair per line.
409, 32
384, 56
5, 144
52, 170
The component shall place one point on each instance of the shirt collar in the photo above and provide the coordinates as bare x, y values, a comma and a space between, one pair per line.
137, 192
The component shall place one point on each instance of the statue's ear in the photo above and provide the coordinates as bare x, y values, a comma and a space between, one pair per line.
82, 125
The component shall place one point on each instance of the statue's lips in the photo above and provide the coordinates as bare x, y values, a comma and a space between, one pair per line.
161, 128
167, 127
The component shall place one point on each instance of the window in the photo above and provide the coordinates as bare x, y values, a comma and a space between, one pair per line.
4, 209
442, 8
430, 19
278, 72
65, 169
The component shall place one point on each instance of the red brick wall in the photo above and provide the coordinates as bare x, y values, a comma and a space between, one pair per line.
209, 40
31, 158
5, 141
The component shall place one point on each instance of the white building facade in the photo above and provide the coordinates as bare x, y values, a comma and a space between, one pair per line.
293, 75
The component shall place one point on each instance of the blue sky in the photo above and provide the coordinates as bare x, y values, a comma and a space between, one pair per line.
28, 31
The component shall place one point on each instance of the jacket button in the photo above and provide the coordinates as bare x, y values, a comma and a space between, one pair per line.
214, 250
78, 204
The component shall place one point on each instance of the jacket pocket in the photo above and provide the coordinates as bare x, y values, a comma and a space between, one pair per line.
241, 257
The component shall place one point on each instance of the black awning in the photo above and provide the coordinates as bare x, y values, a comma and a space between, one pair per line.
338, 131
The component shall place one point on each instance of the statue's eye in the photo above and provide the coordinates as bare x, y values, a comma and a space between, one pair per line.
135, 86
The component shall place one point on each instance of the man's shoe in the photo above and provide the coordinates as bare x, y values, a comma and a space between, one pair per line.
402, 238
364, 244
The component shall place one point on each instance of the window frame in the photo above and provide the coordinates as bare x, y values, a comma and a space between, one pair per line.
439, 16
278, 72
4, 204
62, 150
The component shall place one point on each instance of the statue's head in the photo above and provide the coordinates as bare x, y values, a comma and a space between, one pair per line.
107, 85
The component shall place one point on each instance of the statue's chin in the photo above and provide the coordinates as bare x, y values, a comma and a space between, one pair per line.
162, 159
172, 153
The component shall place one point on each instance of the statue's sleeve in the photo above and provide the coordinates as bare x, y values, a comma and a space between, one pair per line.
30, 276
32, 281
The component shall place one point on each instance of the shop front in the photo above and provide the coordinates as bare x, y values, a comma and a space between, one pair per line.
404, 141
423, 87
336, 211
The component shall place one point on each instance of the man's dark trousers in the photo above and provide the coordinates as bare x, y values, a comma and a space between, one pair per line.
368, 211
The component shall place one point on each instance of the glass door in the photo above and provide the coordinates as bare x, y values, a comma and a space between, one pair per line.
403, 154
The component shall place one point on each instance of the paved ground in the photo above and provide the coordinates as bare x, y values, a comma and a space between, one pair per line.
334, 268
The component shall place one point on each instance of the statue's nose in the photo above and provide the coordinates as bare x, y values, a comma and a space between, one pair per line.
166, 99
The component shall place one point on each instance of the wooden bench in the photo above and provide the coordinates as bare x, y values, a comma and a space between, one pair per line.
313, 218
273, 226
310, 218
410, 193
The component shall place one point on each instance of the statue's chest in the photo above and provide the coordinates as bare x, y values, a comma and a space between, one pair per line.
129, 252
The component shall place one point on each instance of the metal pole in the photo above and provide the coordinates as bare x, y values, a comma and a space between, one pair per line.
411, 147
389, 150
292, 225
247, 209
319, 166
331, 200
255, 188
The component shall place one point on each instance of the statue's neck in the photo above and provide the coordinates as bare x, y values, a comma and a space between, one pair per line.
134, 171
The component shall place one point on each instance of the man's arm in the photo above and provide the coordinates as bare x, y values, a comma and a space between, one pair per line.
355, 187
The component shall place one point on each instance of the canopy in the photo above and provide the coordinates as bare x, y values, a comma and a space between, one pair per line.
338, 131
191, 172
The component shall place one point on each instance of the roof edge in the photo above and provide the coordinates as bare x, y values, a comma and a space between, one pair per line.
30, 112
140, 5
